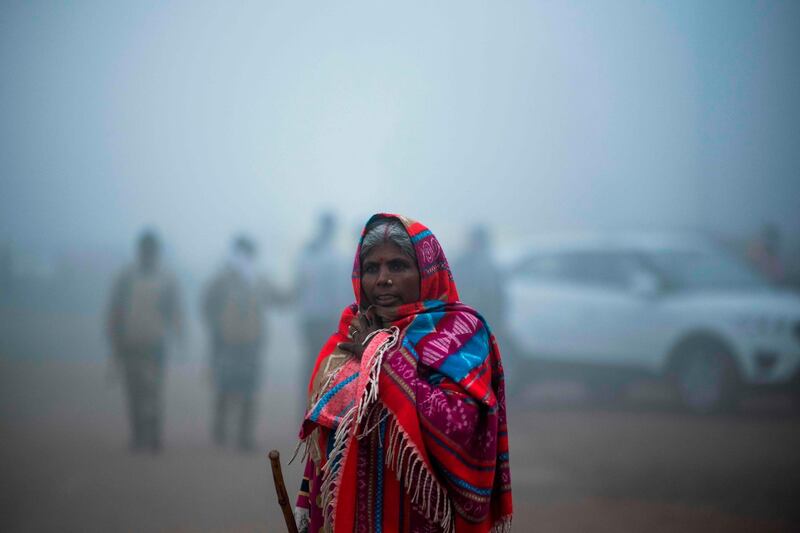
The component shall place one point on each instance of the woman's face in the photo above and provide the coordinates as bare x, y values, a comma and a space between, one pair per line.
389, 277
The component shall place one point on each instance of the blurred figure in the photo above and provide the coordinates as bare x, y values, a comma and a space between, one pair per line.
793, 271
233, 309
482, 283
144, 311
322, 293
6, 271
764, 252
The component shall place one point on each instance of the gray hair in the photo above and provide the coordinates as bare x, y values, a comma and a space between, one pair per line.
388, 230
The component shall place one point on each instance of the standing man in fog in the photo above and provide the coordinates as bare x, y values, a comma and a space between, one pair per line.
482, 282
322, 292
144, 312
233, 309
764, 253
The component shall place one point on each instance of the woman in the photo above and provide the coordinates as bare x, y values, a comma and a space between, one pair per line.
406, 426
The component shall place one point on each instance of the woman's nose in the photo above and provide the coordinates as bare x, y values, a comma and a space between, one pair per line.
383, 276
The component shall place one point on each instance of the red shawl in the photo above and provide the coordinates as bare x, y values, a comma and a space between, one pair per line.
414, 434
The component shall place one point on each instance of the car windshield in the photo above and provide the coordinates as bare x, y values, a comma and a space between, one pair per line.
704, 269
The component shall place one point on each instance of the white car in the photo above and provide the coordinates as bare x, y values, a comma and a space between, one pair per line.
611, 307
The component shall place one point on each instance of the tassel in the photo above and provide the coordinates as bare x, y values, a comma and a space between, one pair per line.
297, 449
370, 394
350, 422
407, 463
502, 526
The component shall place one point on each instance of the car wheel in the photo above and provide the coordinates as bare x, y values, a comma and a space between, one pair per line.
706, 379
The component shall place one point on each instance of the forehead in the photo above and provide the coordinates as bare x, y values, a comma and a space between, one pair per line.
384, 252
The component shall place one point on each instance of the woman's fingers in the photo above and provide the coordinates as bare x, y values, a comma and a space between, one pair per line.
354, 327
367, 321
372, 316
351, 347
369, 317
354, 348
358, 328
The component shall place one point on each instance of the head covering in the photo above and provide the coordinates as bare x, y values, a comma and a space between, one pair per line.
436, 280
425, 402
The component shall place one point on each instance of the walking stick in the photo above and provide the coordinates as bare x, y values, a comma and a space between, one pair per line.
280, 489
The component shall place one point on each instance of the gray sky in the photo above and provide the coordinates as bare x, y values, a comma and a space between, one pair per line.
207, 118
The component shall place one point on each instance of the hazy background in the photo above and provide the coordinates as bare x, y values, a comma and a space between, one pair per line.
204, 119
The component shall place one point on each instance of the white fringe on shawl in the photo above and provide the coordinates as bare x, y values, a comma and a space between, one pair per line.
406, 461
502, 526
351, 420
401, 456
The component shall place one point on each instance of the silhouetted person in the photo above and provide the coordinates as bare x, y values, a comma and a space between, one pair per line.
6, 270
764, 253
233, 309
322, 294
144, 311
481, 281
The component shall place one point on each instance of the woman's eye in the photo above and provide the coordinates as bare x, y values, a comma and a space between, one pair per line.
397, 267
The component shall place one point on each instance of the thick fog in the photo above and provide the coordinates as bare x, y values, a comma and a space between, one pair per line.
537, 119
206, 119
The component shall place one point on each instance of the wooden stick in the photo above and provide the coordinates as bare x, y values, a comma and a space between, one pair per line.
280, 489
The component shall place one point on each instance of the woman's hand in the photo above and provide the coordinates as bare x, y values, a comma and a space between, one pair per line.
366, 323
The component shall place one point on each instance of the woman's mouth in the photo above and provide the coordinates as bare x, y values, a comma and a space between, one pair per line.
386, 299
